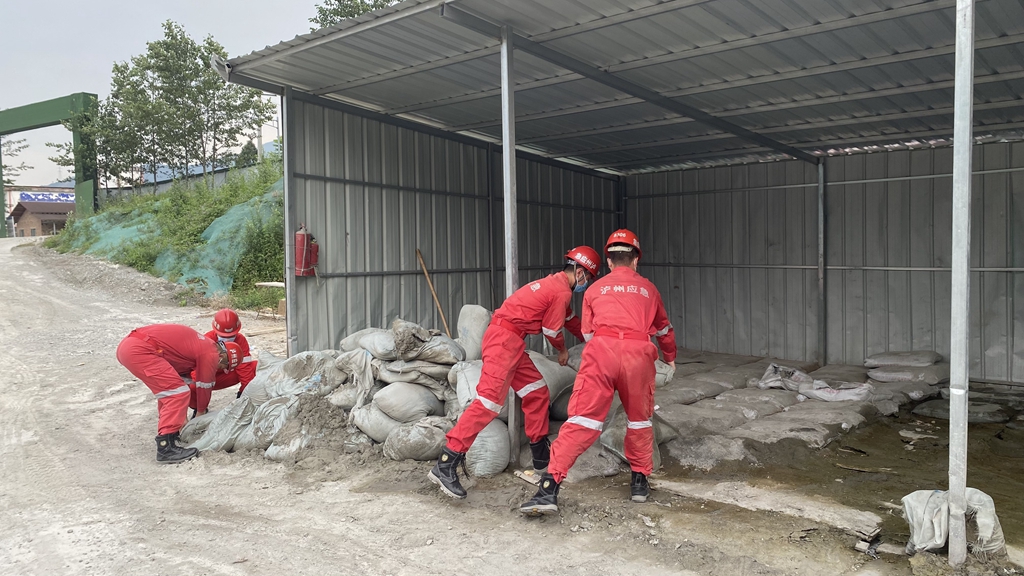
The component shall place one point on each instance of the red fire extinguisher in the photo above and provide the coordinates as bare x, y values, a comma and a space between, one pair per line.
307, 252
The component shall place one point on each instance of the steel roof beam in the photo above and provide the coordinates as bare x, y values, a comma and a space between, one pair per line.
622, 18
713, 49
804, 104
765, 79
879, 140
794, 128
485, 28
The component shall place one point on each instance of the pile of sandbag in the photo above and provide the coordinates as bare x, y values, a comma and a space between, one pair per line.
255, 420
399, 392
919, 366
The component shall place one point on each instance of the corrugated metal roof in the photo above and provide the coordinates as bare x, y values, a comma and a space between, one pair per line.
819, 76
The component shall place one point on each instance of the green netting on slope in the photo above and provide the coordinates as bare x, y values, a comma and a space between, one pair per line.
210, 268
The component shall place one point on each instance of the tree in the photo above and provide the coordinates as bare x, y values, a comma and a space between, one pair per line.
8, 150
247, 156
169, 107
332, 12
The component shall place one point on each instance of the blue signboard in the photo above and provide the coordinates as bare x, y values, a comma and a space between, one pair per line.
46, 197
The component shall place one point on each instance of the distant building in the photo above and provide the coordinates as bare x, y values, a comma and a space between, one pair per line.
40, 218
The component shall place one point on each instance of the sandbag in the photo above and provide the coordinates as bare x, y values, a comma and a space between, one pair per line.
934, 374
489, 454
663, 373
467, 376
347, 395
559, 409
287, 450
306, 372
916, 391
409, 337
351, 342
791, 379
977, 412
613, 436
927, 513
915, 358
818, 390
439, 350
267, 421
556, 377
195, 427
374, 422
728, 379
265, 360
226, 426
379, 343
420, 440
406, 402
576, 356
472, 323
361, 366
430, 369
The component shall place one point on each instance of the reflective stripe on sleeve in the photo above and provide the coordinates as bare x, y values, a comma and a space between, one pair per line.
638, 425
205, 385
586, 422
550, 333
522, 392
175, 392
588, 336
246, 359
571, 315
663, 331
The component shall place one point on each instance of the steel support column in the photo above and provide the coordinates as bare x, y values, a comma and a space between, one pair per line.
290, 217
508, 178
959, 345
822, 303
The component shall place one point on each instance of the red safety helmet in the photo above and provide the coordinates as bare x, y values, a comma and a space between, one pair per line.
226, 323
587, 257
234, 354
623, 236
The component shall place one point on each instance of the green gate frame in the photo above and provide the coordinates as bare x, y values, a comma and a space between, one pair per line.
80, 107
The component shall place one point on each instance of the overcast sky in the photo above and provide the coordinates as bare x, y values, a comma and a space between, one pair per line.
52, 48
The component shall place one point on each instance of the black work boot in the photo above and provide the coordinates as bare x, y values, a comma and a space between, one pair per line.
541, 450
639, 489
168, 451
545, 501
445, 473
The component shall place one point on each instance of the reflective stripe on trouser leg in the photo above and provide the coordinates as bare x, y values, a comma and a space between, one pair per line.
529, 385
162, 380
588, 407
500, 359
635, 385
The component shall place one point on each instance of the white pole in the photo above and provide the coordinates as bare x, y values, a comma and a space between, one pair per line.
963, 101
508, 162
508, 175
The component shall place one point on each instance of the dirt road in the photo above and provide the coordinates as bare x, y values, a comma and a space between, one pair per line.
80, 492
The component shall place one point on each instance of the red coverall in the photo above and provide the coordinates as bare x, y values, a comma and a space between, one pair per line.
163, 356
541, 306
242, 374
620, 314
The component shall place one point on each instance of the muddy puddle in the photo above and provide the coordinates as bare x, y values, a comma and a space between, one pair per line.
873, 468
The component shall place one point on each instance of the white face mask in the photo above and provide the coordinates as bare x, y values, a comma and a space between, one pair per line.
225, 338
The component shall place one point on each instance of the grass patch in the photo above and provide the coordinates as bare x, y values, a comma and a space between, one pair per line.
169, 227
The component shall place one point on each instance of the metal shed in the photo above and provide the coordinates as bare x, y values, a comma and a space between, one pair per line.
785, 163
679, 119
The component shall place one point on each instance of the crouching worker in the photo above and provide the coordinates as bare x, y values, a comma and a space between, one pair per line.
620, 314
163, 356
541, 306
226, 328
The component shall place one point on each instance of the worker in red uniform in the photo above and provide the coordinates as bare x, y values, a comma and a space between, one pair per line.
226, 328
620, 314
539, 307
164, 356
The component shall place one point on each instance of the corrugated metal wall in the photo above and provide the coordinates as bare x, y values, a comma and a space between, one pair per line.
888, 251
734, 251
372, 193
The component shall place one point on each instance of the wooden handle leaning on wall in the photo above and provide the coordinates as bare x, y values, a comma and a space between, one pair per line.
433, 293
